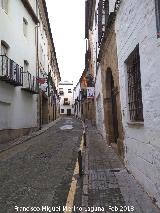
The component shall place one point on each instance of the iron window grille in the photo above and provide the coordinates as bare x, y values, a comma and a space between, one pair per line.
134, 86
157, 11
62, 110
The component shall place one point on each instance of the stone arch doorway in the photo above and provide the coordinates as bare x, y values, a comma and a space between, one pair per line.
111, 117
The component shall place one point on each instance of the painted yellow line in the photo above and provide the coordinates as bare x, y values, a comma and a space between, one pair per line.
72, 191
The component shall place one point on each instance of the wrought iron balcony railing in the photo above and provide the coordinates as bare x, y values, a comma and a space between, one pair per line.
66, 103
10, 71
30, 83
61, 93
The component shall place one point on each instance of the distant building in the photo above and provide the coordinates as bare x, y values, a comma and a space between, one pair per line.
66, 98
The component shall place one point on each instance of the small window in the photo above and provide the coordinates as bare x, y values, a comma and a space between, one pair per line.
4, 48
134, 86
25, 27
157, 10
4, 5
69, 91
62, 110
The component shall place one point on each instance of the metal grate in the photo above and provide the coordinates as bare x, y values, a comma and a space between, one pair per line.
134, 86
157, 11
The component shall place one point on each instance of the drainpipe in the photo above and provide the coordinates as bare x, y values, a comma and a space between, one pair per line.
37, 70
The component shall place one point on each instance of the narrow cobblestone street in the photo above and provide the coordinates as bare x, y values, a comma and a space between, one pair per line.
111, 188
39, 172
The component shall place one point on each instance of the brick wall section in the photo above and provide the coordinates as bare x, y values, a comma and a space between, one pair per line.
136, 24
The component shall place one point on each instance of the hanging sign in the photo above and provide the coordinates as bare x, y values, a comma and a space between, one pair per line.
41, 80
90, 92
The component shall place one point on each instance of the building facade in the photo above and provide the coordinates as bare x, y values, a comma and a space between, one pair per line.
49, 74
108, 63
123, 39
77, 100
138, 50
22, 67
66, 98
100, 32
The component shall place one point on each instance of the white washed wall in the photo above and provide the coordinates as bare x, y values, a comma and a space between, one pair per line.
22, 106
99, 104
66, 95
77, 95
136, 23
97, 77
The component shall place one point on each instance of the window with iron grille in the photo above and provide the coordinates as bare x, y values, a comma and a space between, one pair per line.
134, 86
157, 10
62, 110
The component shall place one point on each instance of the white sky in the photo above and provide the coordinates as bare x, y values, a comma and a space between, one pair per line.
67, 20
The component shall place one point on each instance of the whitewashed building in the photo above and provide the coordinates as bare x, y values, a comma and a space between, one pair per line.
138, 49
77, 100
18, 103
66, 98
27, 54
93, 43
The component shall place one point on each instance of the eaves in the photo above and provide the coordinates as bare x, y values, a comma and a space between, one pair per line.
30, 10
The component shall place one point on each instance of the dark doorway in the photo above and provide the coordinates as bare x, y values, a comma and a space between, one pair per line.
68, 111
111, 109
114, 110
44, 109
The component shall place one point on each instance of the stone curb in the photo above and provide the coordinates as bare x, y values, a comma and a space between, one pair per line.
86, 174
85, 178
28, 137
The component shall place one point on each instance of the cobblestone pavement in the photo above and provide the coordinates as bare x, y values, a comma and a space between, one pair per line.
39, 172
110, 187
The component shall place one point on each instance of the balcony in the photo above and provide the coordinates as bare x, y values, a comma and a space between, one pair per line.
66, 103
30, 83
61, 93
10, 71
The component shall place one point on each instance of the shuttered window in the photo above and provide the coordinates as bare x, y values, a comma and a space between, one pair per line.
157, 10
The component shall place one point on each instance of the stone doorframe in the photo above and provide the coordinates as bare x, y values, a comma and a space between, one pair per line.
112, 113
